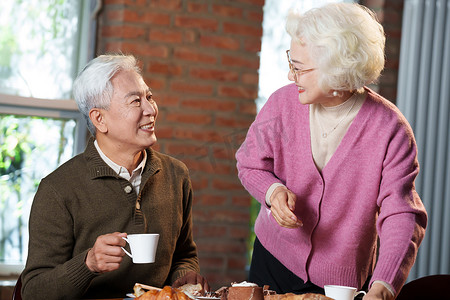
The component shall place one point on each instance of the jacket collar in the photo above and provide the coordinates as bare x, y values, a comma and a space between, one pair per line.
98, 168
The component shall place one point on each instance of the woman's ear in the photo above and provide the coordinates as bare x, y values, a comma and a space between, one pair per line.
98, 119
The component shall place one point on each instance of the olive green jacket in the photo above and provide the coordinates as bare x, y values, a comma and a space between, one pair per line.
84, 199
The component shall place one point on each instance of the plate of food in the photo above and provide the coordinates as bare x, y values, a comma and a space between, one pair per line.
185, 292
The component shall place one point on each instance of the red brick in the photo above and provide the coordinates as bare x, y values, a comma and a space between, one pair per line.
214, 74
252, 79
125, 2
240, 232
170, 5
244, 200
197, 7
140, 2
203, 135
177, 148
187, 87
230, 121
114, 15
257, 3
164, 68
196, 22
393, 16
388, 77
156, 146
154, 83
199, 183
256, 16
189, 118
241, 29
201, 60
237, 263
228, 11
373, 3
194, 55
146, 17
217, 262
226, 185
247, 108
163, 132
206, 164
252, 45
189, 36
166, 100
213, 200
221, 42
210, 104
239, 92
139, 48
166, 35
127, 32
223, 152
221, 246
111, 2
238, 60
112, 47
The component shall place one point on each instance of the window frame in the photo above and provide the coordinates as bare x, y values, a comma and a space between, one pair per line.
47, 108
58, 108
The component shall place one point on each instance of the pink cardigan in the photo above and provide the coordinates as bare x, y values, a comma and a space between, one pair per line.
367, 188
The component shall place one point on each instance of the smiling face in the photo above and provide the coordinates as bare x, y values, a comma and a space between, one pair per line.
309, 91
128, 125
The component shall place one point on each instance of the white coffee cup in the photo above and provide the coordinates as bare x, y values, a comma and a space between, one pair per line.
339, 292
143, 247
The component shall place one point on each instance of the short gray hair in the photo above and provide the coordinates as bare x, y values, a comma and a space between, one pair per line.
93, 89
346, 42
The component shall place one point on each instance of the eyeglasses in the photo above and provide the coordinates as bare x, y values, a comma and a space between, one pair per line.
295, 71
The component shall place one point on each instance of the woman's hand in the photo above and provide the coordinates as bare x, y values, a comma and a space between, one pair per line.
378, 292
282, 203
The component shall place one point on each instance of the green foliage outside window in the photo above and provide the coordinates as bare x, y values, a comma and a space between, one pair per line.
26, 155
38, 58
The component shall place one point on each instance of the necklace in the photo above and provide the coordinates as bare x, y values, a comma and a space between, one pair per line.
326, 134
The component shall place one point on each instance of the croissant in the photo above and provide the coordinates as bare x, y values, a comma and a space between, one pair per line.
167, 293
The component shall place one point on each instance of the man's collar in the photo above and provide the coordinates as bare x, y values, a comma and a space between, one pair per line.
118, 169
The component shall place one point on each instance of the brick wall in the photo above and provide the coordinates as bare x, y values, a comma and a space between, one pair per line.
201, 59
389, 13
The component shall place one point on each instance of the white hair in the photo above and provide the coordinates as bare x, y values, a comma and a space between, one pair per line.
93, 89
345, 41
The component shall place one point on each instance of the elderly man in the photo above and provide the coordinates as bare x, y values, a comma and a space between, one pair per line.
118, 186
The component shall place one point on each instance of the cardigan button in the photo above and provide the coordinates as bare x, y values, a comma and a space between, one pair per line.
128, 189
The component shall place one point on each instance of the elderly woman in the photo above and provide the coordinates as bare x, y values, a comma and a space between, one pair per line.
333, 165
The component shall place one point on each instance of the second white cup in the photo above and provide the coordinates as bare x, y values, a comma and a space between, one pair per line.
339, 292
143, 247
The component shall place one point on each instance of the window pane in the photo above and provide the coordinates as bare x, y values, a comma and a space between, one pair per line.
37, 47
26, 156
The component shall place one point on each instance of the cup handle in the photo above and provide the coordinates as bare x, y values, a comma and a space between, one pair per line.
126, 252
360, 292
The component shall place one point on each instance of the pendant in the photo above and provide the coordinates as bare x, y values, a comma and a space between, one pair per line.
324, 135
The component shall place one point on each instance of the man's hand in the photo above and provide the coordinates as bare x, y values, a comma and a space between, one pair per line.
378, 292
193, 278
106, 254
282, 206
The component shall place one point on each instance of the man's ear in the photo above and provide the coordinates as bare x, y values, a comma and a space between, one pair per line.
98, 119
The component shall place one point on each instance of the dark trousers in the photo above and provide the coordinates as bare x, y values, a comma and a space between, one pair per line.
265, 269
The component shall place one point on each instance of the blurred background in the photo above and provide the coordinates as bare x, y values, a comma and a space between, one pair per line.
211, 66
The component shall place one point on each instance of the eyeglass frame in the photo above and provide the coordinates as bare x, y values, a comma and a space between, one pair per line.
296, 72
